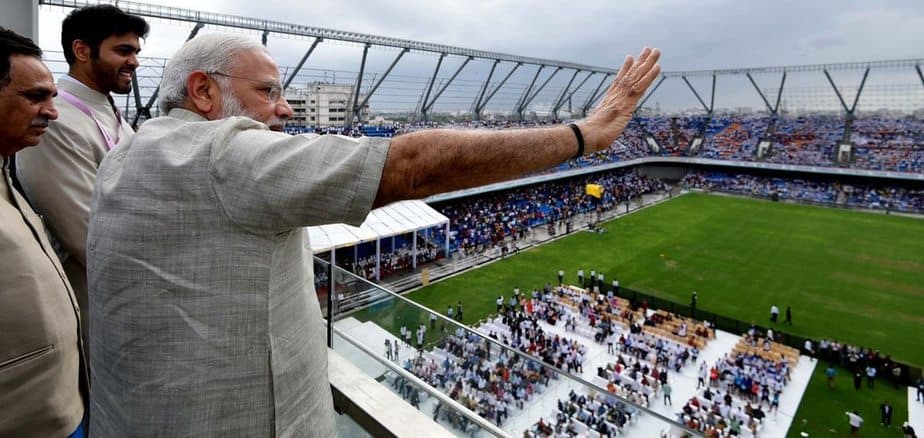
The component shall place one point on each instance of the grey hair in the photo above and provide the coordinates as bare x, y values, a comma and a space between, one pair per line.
208, 53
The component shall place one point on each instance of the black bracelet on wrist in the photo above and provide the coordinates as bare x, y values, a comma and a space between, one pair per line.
580, 140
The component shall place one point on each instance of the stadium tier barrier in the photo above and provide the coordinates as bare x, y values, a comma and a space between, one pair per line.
908, 373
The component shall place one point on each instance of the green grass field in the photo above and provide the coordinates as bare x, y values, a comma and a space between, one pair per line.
852, 276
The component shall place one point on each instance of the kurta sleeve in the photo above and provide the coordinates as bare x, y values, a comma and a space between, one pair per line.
271, 181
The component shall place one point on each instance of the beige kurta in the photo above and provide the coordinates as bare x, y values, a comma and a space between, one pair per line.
204, 318
42, 373
57, 176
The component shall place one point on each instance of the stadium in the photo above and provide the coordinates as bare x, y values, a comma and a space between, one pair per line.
761, 267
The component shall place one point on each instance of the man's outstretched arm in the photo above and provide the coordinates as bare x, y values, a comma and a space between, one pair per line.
434, 161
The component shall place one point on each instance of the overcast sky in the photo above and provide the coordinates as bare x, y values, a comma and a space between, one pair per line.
693, 35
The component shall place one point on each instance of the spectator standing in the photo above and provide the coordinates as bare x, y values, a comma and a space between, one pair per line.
830, 373
855, 421
857, 380
920, 385
774, 313
580, 275
666, 389
886, 410
870, 376
561, 277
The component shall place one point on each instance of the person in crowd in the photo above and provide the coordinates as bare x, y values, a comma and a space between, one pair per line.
886, 410
855, 421
100, 44
908, 431
44, 381
231, 248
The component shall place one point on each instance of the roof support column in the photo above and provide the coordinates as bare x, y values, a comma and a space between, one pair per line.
447, 240
561, 98
589, 74
355, 116
146, 110
593, 96
378, 258
519, 106
650, 93
484, 88
539, 90
700, 99
298, 67
446, 85
414, 249
484, 103
426, 97
382, 78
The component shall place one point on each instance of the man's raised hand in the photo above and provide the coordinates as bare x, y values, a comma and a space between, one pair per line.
615, 110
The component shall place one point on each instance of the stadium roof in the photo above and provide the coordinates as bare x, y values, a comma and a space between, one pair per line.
391, 220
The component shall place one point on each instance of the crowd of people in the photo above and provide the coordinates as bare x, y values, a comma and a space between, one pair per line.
862, 363
881, 142
737, 392
393, 262
884, 143
483, 221
490, 384
867, 196
578, 414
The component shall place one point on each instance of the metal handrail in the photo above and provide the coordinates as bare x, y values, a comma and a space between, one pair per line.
439, 395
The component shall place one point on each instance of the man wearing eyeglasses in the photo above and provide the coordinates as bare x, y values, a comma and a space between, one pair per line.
100, 45
43, 373
204, 317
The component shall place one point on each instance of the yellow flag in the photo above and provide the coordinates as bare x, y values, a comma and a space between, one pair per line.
595, 190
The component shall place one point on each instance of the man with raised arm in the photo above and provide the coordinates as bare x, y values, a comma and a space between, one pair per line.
204, 318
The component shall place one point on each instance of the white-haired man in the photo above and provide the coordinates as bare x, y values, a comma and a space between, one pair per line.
204, 320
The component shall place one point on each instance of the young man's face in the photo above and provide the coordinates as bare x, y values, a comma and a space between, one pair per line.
112, 69
26, 104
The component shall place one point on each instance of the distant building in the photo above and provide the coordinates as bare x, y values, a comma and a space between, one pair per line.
323, 105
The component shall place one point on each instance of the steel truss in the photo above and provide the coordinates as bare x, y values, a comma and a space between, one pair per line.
428, 98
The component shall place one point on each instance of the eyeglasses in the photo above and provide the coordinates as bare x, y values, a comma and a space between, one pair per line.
273, 90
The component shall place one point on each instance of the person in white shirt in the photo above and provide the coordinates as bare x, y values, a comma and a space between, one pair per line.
855, 421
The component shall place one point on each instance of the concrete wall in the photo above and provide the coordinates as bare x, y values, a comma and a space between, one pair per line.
21, 16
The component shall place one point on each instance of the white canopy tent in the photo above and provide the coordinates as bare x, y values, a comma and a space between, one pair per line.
389, 221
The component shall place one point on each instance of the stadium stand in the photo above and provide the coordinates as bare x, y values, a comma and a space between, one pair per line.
836, 193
